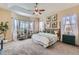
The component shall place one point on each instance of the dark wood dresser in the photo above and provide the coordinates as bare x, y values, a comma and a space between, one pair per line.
70, 39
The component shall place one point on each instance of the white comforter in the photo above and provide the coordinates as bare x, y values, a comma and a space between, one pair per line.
51, 37
45, 39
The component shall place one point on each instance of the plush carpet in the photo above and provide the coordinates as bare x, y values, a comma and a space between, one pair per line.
27, 47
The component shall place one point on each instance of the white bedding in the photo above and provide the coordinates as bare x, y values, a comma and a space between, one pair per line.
40, 40
51, 37
45, 39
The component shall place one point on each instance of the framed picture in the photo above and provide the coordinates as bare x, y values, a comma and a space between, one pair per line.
51, 22
48, 19
54, 25
54, 18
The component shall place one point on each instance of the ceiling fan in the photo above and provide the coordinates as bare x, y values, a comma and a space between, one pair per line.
37, 10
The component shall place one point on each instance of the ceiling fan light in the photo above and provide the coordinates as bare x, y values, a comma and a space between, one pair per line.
37, 11
36, 8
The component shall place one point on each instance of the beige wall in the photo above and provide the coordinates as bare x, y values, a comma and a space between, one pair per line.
70, 11
5, 15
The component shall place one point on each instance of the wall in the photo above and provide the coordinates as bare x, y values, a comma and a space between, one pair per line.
5, 15
70, 11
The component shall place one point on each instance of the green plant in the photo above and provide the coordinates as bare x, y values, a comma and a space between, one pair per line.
3, 28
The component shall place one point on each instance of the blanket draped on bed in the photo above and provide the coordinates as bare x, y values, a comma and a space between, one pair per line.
45, 39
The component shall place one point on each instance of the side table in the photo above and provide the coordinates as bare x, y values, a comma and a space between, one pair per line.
1, 45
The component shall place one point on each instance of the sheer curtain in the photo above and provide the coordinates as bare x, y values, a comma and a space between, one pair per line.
41, 26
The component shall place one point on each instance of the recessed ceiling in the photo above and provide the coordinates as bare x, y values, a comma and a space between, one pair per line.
50, 8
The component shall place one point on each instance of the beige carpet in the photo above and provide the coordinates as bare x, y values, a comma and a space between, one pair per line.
27, 47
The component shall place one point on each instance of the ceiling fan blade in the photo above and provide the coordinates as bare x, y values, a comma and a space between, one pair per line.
41, 9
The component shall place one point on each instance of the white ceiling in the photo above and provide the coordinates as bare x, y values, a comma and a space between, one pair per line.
50, 8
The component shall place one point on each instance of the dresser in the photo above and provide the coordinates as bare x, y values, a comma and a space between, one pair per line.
69, 39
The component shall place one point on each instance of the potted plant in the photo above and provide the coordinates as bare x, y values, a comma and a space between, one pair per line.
3, 29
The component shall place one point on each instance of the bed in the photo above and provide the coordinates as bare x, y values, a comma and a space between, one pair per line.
44, 39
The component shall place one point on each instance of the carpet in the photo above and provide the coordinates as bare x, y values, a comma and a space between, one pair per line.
27, 47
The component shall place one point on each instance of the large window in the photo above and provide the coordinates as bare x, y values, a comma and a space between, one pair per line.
69, 25
23, 27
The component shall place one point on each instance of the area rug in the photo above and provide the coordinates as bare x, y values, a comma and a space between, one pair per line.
27, 47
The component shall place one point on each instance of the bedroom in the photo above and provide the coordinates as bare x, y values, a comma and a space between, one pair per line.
60, 20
